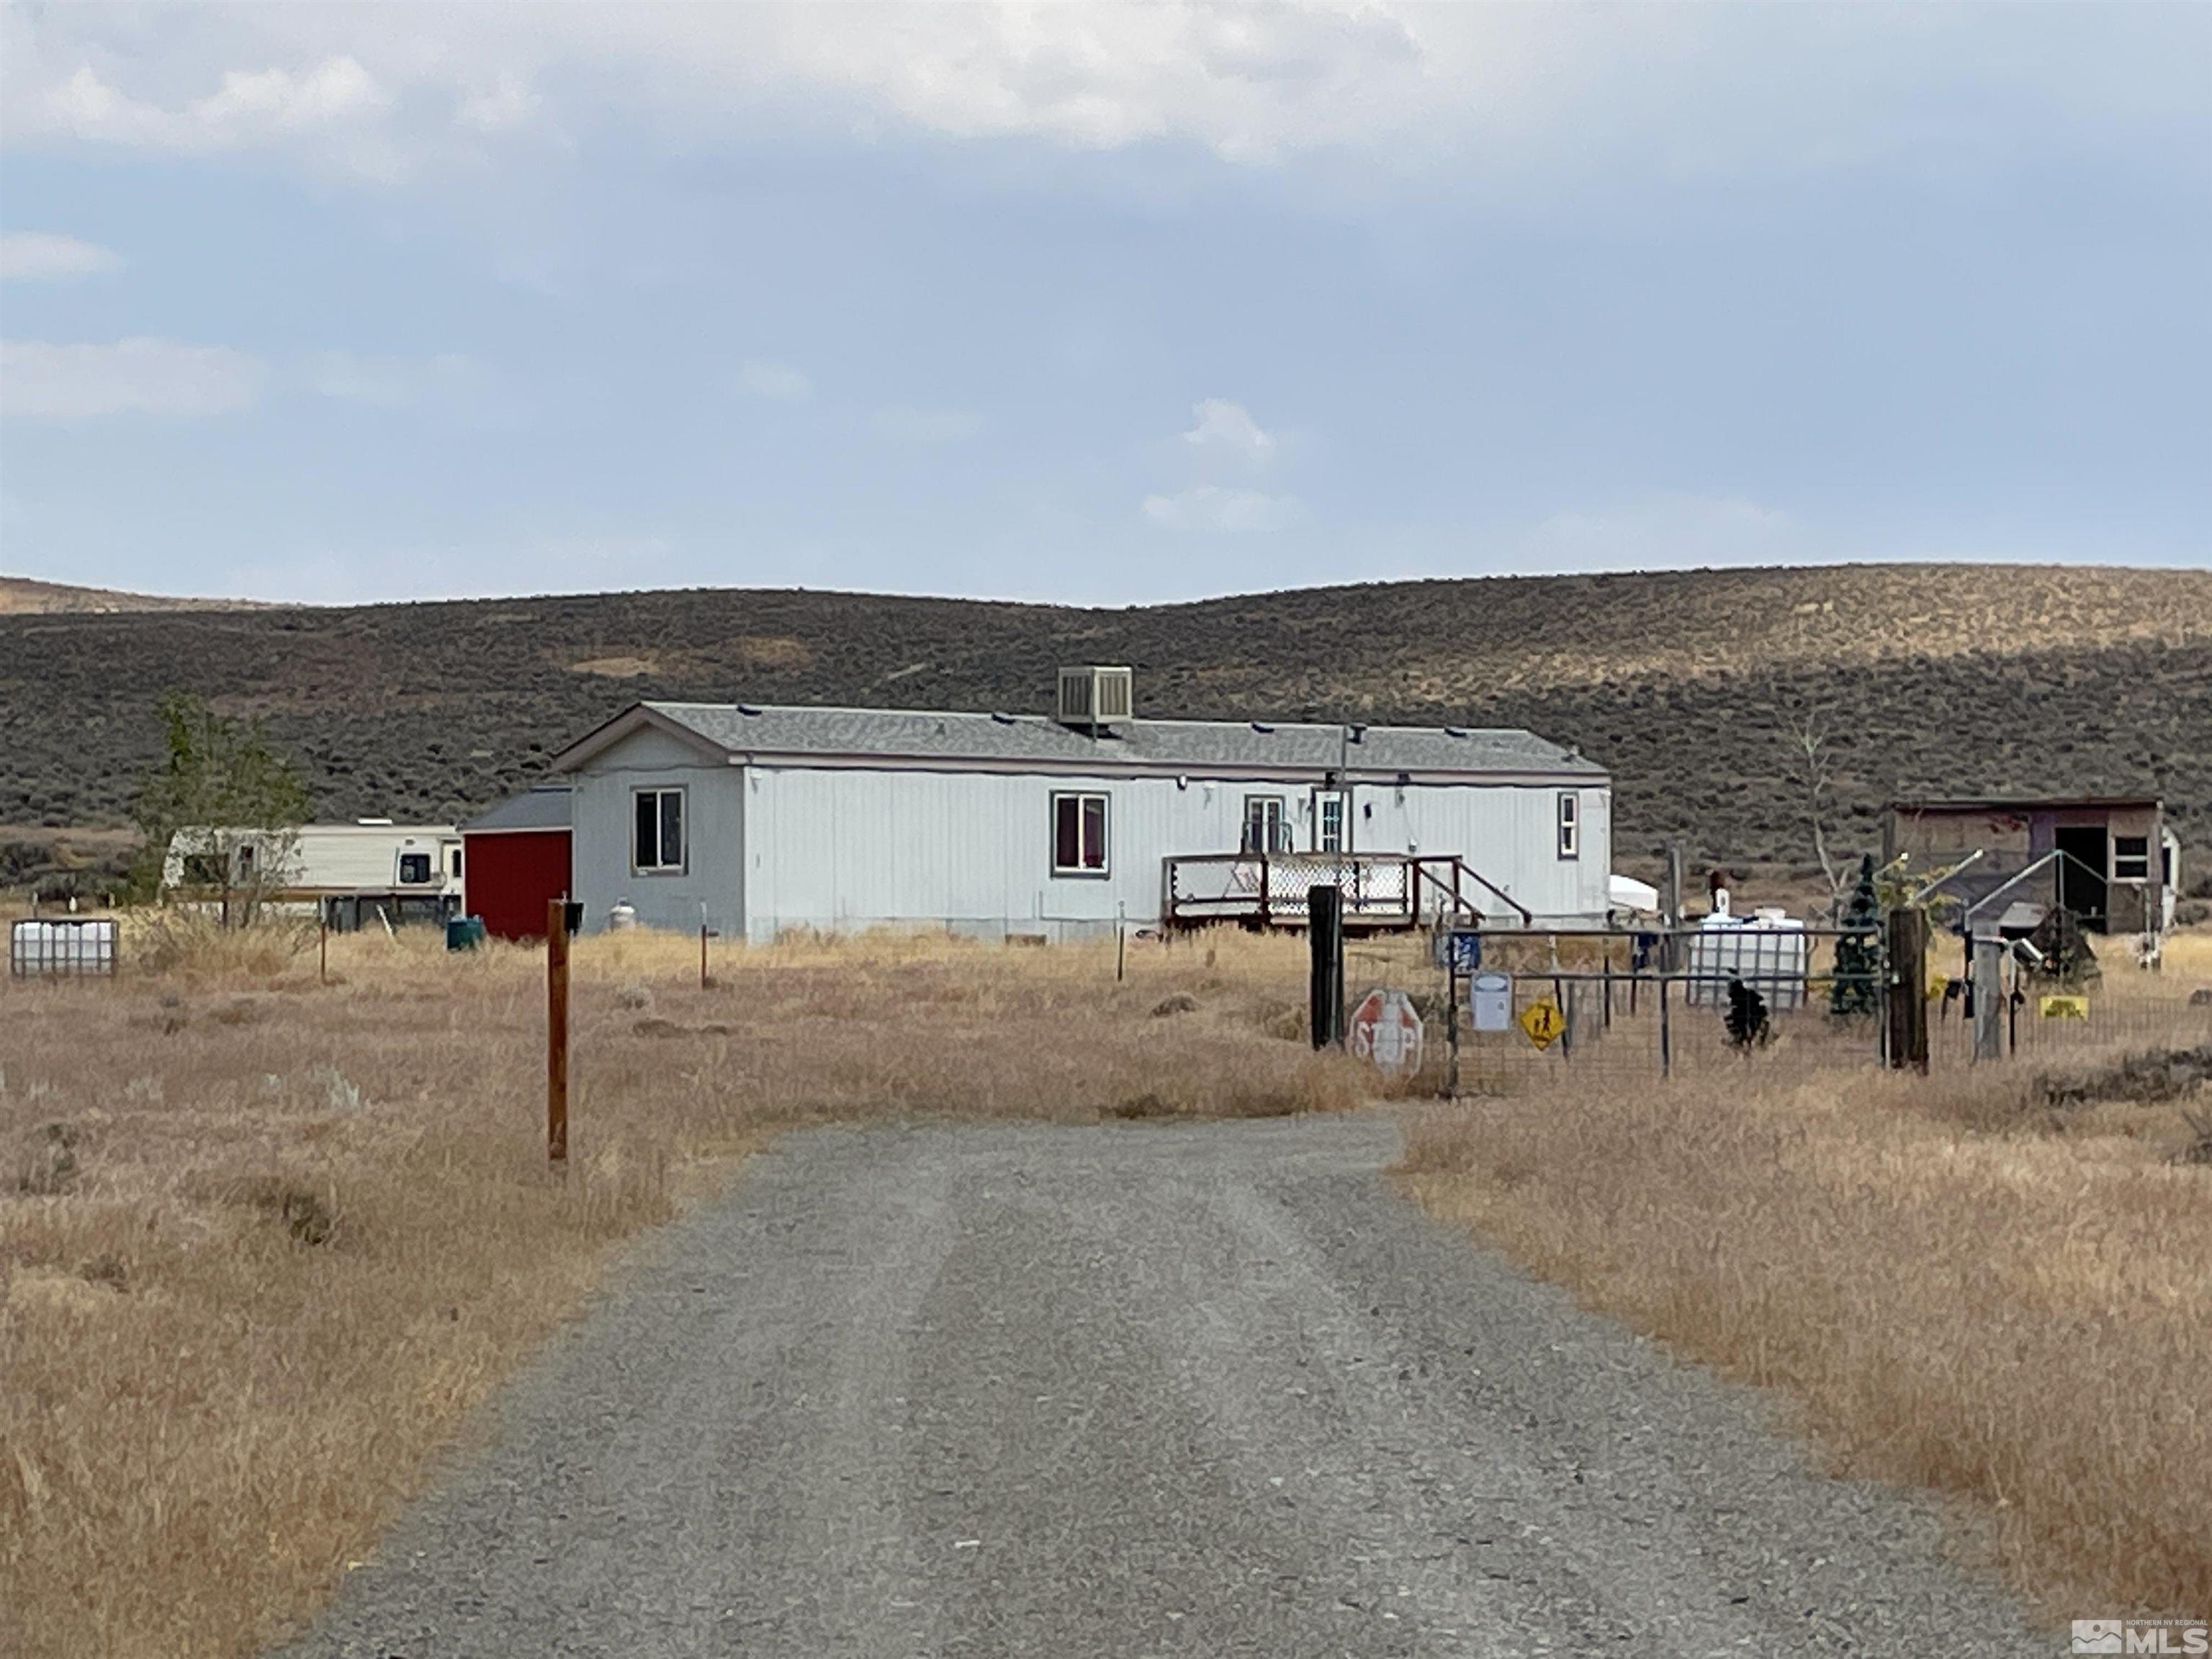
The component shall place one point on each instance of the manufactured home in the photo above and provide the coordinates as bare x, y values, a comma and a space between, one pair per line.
757, 820
352, 874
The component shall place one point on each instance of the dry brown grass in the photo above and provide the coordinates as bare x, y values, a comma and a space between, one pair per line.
1960, 1286
263, 1242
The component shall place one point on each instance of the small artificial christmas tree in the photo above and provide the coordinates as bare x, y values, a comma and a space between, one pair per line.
1854, 993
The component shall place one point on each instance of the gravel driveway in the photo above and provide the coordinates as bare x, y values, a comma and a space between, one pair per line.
1176, 1388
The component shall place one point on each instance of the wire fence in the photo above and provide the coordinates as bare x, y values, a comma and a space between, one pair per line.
1594, 1007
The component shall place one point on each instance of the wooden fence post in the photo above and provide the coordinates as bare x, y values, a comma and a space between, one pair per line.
556, 1033
1988, 998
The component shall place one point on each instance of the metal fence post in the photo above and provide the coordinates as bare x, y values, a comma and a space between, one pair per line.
556, 1033
1907, 979
1325, 936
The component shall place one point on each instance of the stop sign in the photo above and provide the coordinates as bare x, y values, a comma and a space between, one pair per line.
1386, 1029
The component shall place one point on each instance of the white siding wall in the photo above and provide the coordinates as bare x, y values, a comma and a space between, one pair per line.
714, 834
835, 848
840, 848
1510, 836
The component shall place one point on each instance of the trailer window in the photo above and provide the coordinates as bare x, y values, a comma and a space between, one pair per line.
1078, 834
657, 846
1570, 824
1264, 829
1329, 822
413, 869
2131, 858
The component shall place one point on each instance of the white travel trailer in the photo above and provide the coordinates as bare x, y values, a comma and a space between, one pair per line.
352, 874
757, 820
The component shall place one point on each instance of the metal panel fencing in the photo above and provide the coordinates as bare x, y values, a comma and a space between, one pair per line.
1514, 1008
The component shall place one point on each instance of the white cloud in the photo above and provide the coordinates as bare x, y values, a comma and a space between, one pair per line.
928, 425
333, 104
1234, 512
41, 256
775, 381
1666, 87
42, 382
1223, 428
353, 377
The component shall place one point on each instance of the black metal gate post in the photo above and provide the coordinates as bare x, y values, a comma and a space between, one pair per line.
1325, 935
1907, 979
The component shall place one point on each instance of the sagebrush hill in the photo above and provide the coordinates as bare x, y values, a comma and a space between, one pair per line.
1692, 686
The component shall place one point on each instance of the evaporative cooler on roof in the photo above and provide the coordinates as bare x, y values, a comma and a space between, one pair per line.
1091, 697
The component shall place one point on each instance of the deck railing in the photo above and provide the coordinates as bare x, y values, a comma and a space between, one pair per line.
1380, 889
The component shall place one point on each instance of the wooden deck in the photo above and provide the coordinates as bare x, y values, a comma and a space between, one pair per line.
1382, 891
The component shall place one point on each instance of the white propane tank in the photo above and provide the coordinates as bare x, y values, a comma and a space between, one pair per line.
623, 915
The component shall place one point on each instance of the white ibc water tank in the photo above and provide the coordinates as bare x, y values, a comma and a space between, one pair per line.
623, 916
1769, 953
71, 947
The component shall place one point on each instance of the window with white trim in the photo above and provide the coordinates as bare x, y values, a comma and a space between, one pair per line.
1570, 824
1264, 831
1328, 821
413, 869
2131, 858
1078, 834
657, 832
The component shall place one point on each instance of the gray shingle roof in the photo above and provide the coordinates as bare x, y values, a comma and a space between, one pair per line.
542, 807
1151, 745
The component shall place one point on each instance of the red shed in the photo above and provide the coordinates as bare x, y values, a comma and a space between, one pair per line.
514, 860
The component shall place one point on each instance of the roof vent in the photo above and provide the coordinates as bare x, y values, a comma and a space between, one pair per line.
1002, 717
1454, 731
1261, 727
748, 708
1092, 698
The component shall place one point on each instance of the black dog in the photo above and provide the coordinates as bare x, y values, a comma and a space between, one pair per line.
1747, 1024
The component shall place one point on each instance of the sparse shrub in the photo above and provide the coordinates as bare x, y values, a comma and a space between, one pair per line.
302, 1212
2147, 1078
339, 1093
47, 1164
106, 1268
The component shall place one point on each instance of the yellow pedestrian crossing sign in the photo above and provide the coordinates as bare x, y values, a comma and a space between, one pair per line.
1543, 1022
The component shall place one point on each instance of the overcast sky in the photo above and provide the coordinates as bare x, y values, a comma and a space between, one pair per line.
1106, 304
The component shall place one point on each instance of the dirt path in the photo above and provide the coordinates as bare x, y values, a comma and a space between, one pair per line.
1135, 1389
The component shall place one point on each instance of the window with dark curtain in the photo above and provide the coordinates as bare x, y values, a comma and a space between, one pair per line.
1079, 833
646, 847
671, 829
1067, 832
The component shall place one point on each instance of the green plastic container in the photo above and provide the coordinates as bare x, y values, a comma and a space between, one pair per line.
463, 933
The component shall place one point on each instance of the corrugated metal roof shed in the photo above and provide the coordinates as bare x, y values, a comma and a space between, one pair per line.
1146, 744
